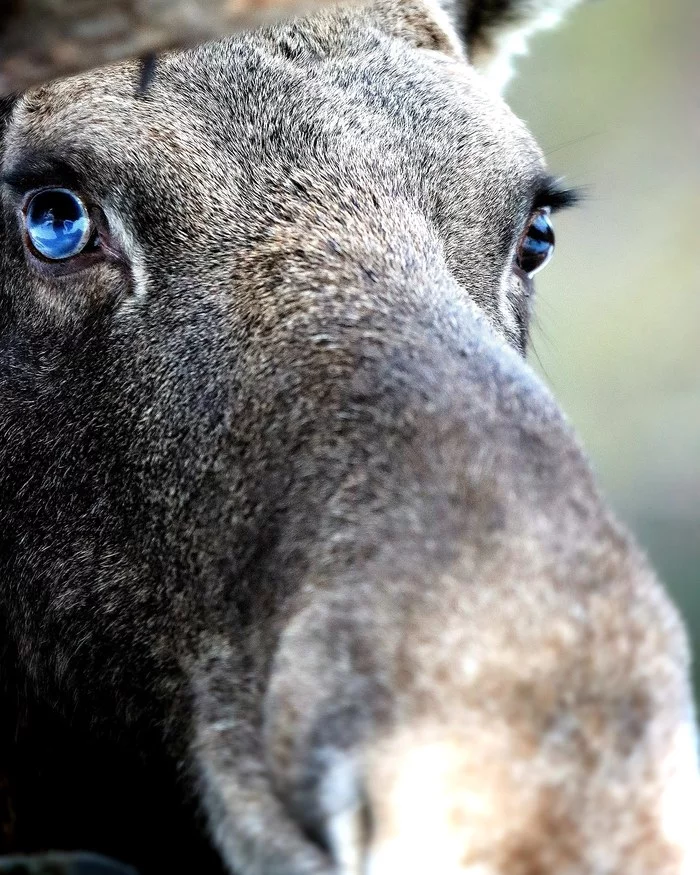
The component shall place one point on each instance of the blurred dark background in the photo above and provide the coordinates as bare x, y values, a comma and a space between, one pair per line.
614, 98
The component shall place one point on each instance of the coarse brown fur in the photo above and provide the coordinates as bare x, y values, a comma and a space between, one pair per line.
302, 570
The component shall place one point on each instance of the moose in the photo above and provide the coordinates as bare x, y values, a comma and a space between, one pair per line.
302, 569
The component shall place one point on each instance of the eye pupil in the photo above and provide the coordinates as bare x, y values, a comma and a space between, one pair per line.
57, 223
537, 245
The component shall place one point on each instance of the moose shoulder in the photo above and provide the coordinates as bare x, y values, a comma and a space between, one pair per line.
301, 568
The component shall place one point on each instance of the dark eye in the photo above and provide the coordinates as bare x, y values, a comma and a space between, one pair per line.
537, 244
57, 223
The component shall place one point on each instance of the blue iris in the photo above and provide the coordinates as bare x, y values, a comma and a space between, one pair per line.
537, 246
57, 223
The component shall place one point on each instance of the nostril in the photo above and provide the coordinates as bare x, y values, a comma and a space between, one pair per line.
347, 815
350, 836
367, 822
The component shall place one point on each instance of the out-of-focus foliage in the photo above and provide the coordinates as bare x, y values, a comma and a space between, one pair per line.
614, 99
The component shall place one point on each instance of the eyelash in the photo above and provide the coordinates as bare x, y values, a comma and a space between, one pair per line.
556, 198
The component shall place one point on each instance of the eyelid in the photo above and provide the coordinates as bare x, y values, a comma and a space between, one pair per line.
15, 182
37, 170
22, 184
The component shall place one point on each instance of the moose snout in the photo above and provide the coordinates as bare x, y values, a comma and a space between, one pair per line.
459, 685
468, 667
471, 732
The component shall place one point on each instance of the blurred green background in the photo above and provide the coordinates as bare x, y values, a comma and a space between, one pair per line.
613, 97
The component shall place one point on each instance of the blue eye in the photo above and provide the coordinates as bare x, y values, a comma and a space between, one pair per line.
57, 223
537, 245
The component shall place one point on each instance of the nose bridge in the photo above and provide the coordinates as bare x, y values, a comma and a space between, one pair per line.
366, 276
402, 401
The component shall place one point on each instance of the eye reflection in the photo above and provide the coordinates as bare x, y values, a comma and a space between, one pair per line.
57, 224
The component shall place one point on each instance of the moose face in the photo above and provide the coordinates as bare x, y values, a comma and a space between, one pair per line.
271, 460
190, 281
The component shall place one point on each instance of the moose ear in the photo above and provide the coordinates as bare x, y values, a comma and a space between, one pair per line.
496, 31
493, 32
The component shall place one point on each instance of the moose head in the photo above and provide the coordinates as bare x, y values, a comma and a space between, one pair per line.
282, 505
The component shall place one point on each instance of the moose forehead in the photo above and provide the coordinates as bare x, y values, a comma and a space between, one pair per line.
227, 130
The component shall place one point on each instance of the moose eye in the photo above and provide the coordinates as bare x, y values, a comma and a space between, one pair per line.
57, 224
537, 244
